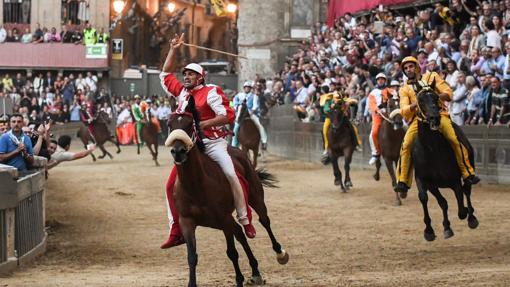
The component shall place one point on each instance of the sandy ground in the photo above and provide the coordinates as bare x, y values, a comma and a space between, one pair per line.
107, 220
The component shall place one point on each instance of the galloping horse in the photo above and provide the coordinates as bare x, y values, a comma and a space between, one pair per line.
249, 134
150, 137
101, 134
203, 196
436, 167
391, 136
342, 142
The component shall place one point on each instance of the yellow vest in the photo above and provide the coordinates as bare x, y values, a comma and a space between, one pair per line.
89, 36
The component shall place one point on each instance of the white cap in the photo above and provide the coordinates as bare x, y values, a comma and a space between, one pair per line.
195, 68
380, 75
394, 83
248, 84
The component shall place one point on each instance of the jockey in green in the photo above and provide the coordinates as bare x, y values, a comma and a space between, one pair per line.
138, 115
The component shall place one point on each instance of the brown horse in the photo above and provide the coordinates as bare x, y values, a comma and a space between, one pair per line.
342, 142
249, 134
203, 196
390, 137
150, 138
101, 134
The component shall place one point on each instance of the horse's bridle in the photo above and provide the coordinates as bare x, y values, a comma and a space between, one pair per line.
194, 132
336, 127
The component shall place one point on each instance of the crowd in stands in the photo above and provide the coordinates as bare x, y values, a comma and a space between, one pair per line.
88, 36
466, 42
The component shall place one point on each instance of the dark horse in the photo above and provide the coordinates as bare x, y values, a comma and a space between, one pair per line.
436, 167
203, 196
150, 138
342, 142
249, 134
101, 135
390, 137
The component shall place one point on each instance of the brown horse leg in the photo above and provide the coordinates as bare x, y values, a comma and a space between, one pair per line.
154, 157
101, 147
115, 142
255, 156
337, 173
391, 171
377, 169
232, 253
257, 203
347, 166
188, 230
256, 278
156, 153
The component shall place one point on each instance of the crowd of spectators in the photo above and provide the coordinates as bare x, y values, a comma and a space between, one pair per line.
466, 42
88, 35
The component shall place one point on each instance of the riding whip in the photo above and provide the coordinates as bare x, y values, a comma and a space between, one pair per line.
214, 50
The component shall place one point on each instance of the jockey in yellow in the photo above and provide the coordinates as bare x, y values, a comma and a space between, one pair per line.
327, 102
409, 106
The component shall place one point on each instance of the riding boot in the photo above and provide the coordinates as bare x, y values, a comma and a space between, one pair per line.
175, 237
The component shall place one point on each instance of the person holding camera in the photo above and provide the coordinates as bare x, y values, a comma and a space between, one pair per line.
15, 146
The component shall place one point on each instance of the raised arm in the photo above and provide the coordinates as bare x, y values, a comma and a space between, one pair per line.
175, 43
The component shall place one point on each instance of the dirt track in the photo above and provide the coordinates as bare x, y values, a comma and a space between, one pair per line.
108, 219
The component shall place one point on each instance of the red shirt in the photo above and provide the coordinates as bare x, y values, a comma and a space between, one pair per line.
210, 101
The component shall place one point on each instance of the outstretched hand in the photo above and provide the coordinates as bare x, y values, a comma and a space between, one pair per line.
177, 41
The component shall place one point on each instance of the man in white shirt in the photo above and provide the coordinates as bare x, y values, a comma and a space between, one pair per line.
3, 34
60, 151
91, 81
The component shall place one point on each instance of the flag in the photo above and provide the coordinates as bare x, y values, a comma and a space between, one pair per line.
219, 7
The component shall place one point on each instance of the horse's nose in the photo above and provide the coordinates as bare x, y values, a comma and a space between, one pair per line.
176, 150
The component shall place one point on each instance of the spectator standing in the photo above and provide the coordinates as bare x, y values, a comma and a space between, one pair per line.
458, 103
499, 102
15, 146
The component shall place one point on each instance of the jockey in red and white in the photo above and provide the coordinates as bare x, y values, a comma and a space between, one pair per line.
215, 113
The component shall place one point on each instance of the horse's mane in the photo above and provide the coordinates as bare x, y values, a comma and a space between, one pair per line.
196, 117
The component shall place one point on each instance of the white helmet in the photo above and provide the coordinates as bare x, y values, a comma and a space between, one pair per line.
248, 84
380, 75
195, 68
394, 83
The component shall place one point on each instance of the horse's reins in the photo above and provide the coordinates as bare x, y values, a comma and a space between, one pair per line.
385, 118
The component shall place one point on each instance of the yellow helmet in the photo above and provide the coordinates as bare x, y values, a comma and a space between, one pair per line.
412, 59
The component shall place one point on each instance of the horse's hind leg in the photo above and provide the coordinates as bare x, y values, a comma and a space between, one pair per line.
337, 173
103, 150
156, 153
260, 207
422, 194
391, 171
377, 169
115, 142
152, 153
472, 221
232, 251
459, 195
138, 148
448, 232
91, 154
256, 278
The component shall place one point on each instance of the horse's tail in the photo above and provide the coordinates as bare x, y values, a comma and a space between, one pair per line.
267, 179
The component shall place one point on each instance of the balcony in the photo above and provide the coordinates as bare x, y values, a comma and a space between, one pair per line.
50, 56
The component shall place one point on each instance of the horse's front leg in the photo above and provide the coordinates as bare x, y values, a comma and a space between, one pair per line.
391, 171
448, 232
188, 227
422, 194
377, 175
347, 166
337, 173
232, 254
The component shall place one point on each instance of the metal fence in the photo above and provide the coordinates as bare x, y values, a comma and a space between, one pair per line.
3, 237
29, 225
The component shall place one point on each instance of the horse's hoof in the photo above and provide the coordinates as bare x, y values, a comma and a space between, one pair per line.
403, 195
283, 257
338, 182
473, 222
157, 163
348, 184
448, 233
344, 190
429, 236
397, 202
376, 177
256, 280
463, 213
118, 151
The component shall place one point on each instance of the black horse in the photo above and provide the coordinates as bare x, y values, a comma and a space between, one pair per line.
436, 167
342, 142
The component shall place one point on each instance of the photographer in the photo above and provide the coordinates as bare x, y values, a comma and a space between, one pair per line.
15, 146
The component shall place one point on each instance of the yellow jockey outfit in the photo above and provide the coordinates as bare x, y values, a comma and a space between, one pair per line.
327, 101
408, 107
